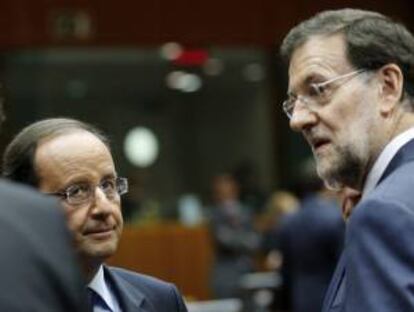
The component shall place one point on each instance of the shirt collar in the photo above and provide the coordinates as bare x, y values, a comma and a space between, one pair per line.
385, 158
101, 287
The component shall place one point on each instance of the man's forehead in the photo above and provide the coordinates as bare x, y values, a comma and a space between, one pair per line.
319, 55
76, 149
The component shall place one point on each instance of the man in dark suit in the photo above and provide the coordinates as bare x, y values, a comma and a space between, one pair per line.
351, 94
72, 160
38, 269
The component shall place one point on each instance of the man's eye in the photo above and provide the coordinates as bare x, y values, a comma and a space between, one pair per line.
316, 89
78, 190
108, 185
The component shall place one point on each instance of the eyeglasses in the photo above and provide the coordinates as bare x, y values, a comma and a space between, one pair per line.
83, 193
318, 94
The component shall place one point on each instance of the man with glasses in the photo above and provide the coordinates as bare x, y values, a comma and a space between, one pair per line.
351, 94
72, 160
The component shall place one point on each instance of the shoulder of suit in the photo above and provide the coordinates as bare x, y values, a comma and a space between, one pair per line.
19, 193
17, 200
391, 199
139, 279
396, 188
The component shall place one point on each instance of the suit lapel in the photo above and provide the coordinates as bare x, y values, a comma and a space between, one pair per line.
130, 298
405, 154
334, 291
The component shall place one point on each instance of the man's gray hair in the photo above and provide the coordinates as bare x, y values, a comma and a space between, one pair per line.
372, 40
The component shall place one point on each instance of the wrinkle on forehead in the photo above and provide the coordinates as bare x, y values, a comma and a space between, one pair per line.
319, 57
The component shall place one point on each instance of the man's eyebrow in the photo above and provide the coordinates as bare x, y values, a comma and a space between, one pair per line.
309, 78
314, 77
301, 83
76, 181
111, 175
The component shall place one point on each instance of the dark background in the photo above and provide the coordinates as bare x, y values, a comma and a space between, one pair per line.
99, 61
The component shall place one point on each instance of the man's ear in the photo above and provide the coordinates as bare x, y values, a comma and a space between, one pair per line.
391, 87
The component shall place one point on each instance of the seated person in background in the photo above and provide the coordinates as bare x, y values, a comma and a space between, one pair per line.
72, 160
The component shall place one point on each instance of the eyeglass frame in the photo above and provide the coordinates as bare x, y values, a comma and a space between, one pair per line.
289, 104
120, 188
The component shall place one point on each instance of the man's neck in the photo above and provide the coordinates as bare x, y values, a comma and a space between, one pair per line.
90, 267
401, 122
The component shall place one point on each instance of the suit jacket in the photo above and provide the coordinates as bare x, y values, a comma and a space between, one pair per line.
140, 293
38, 271
311, 242
376, 270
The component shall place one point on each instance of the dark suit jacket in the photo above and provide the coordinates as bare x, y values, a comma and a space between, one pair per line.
311, 242
376, 270
138, 292
38, 272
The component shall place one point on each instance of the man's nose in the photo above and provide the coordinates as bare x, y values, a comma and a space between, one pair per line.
302, 117
102, 204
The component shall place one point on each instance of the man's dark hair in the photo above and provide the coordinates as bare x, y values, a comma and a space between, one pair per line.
18, 159
372, 40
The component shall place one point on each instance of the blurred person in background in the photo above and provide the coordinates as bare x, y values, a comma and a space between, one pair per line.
234, 237
71, 160
351, 94
280, 206
311, 241
250, 192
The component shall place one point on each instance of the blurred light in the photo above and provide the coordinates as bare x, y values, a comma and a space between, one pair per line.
190, 210
173, 79
213, 67
254, 72
189, 83
141, 147
171, 51
183, 81
195, 57
228, 305
263, 298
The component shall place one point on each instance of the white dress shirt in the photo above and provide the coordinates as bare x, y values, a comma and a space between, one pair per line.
385, 158
101, 287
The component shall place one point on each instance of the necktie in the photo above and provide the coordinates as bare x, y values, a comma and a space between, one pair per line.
96, 303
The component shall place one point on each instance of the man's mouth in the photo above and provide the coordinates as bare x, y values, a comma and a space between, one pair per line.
98, 230
319, 143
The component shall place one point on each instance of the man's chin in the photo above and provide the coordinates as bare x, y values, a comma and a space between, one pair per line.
99, 253
330, 180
